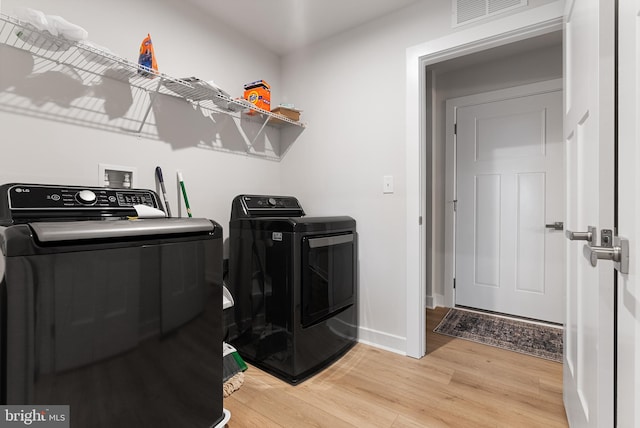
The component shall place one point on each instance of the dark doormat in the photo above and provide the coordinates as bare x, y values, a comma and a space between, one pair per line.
519, 336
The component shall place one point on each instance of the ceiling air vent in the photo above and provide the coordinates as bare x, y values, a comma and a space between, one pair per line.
465, 11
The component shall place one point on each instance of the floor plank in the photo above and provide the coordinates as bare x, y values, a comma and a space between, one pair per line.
457, 384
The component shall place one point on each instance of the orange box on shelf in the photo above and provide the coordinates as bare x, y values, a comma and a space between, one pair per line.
259, 94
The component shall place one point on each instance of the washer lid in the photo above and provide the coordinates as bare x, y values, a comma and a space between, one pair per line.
102, 229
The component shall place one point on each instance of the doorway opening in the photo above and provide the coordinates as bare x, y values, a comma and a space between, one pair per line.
488, 87
428, 260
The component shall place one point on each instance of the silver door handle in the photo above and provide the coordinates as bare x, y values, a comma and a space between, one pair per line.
558, 225
618, 253
590, 235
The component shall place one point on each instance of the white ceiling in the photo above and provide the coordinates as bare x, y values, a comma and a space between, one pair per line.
285, 25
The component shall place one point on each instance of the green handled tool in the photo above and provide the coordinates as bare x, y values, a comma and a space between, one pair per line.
184, 194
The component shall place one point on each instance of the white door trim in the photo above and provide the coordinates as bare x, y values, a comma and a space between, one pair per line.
628, 340
450, 168
531, 23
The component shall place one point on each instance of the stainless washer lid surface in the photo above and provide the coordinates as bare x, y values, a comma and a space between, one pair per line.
110, 229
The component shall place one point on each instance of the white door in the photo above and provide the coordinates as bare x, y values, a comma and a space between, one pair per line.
628, 287
589, 138
509, 186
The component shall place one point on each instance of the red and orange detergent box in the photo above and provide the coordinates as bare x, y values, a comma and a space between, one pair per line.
147, 59
258, 93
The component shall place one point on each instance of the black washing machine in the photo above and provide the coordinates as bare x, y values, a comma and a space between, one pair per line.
294, 282
107, 320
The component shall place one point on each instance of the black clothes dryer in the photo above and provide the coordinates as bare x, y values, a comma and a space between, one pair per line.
294, 282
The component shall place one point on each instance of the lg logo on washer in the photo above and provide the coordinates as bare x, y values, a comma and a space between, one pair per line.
39, 416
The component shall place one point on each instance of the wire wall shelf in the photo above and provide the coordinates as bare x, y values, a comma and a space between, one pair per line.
92, 64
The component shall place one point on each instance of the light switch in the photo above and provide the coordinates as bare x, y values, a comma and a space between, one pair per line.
387, 186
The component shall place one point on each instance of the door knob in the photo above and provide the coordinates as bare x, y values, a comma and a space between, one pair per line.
558, 225
590, 235
618, 253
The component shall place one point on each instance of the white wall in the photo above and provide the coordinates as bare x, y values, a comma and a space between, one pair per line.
186, 44
352, 87
352, 90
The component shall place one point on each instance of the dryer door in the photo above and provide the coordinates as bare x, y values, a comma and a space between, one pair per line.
328, 276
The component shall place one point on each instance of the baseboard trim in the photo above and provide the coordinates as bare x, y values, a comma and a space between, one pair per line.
381, 340
430, 300
435, 301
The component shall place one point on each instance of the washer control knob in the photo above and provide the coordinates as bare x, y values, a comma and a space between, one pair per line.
86, 197
272, 202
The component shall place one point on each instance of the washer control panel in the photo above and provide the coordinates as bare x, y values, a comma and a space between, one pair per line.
44, 197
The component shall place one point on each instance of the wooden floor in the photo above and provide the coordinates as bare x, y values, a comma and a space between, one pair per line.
457, 384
